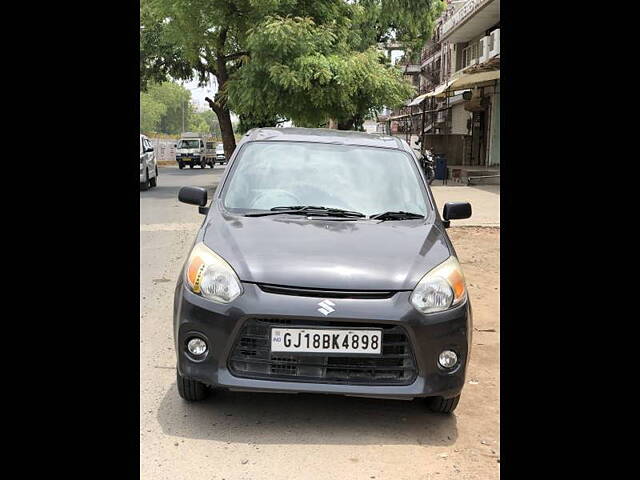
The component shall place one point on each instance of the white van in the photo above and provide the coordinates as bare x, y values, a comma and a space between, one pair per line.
190, 151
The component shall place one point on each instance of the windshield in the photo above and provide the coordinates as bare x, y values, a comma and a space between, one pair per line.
363, 179
189, 144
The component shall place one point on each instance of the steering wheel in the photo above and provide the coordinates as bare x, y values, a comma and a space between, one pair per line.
274, 198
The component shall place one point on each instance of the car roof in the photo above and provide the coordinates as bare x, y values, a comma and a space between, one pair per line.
325, 135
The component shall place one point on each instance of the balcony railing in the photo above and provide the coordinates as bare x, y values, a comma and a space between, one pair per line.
462, 14
428, 52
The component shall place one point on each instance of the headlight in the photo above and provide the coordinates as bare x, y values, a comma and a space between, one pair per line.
207, 274
440, 289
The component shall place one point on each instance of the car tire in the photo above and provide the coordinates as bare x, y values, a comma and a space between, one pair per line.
154, 181
191, 165
180, 165
443, 405
203, 166
191, 390
147, 183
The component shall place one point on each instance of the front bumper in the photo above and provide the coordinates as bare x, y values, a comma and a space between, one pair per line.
195, 159
220, 325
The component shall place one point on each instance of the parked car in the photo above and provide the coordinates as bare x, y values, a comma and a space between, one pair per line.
323, 266
220, 156
148, 164
190, 151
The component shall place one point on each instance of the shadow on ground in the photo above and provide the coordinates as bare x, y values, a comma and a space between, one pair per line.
190, 172
488, 188
308, 419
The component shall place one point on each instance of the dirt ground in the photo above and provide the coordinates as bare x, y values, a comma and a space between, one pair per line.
235, 436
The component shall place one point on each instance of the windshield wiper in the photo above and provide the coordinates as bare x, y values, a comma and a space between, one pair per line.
395, 216
308, 210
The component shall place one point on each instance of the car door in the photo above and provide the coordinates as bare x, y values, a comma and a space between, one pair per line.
151, 158
143, 154
147, 156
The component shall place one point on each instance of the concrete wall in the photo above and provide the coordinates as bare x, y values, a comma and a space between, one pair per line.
459, 117
453, 146
164, 149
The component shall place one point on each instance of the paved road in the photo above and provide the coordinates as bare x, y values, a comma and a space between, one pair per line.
277, 436
484, 199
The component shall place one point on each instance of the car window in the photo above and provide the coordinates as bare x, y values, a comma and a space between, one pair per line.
365, 179
188, 144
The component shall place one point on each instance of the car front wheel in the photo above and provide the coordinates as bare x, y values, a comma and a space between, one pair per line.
147, 183
443, 405
191, 390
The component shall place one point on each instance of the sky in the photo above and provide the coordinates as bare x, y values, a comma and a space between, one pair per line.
198, 93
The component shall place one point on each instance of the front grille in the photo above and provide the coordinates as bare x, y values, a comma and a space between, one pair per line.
313, 292
251, 357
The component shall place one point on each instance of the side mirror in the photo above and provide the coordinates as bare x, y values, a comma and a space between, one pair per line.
455, 211
194, 196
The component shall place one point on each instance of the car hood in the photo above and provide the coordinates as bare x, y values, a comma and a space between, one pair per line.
324, 254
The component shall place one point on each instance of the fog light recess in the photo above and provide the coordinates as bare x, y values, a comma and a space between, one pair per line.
197, 346
448, 359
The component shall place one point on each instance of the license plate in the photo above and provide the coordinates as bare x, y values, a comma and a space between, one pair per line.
186, 159
299, 340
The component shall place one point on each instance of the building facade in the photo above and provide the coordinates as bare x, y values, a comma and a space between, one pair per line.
457, 110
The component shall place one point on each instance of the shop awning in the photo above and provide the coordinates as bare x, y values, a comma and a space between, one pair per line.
438, 91
469, 80
398, 117
418, 100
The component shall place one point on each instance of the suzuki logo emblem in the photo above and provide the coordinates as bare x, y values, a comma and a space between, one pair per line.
326, 307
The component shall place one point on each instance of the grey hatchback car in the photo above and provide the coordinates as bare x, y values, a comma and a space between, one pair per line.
323, 266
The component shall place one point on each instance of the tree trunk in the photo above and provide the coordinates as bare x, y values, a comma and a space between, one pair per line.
346, 124
354, 122
219, 104
226, 129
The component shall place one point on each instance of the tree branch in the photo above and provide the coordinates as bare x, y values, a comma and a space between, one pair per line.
222, 39
235, 55
213, 105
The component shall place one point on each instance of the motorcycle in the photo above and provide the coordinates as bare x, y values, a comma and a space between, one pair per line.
427, 162
429, 165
